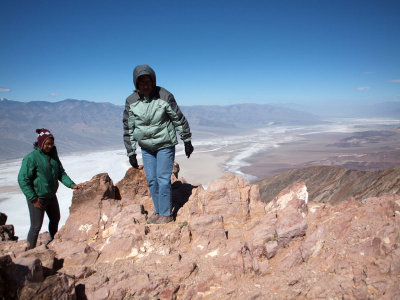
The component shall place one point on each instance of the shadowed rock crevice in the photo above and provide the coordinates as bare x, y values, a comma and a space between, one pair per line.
181, 192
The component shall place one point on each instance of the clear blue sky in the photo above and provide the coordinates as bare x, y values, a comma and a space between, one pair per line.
205, 52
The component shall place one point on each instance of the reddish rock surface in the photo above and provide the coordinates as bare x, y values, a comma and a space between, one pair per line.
224, 244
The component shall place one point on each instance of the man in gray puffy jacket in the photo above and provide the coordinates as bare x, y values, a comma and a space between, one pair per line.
151, 119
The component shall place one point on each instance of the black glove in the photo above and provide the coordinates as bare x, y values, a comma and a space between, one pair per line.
188, 148
133, 161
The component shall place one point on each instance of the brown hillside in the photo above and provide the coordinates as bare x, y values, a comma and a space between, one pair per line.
334, 184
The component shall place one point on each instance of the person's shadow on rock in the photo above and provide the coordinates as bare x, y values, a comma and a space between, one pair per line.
180, 195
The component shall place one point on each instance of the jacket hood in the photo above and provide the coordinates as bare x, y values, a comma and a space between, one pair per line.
141, 70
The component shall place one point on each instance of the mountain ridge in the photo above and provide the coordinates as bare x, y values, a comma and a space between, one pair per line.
330, 184
81, 125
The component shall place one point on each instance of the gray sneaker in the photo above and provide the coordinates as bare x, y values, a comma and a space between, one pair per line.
153, 218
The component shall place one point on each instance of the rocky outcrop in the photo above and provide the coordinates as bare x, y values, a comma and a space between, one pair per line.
224, 244
3, 219
334, 184
6, 231
32, 275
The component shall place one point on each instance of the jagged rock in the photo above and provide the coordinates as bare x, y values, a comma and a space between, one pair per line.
48, 260
228, 197
7, 233
312, 244
107, 233
59, 286
133, 188
134, 185
13, 248
261, 267
225, 243
291, 210
43, 239
86, 218
28, 268
25, 278
271, 248
3, 218
75, 256
207, 233
84, 272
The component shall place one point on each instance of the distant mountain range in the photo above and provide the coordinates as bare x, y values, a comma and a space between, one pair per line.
76, 125
246, 116
80, 125
350, 109
382, 110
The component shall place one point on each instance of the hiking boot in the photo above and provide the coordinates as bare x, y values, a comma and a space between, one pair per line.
48, 241
164, 220
153, 218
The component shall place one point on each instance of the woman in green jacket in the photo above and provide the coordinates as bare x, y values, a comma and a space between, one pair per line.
150, 119
38, 179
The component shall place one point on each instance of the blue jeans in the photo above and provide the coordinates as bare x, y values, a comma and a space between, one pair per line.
158, 168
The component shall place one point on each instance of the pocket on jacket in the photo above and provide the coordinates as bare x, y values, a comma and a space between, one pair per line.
138, 134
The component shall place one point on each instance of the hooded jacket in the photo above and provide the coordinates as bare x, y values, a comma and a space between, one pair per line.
152, 121
40, 173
